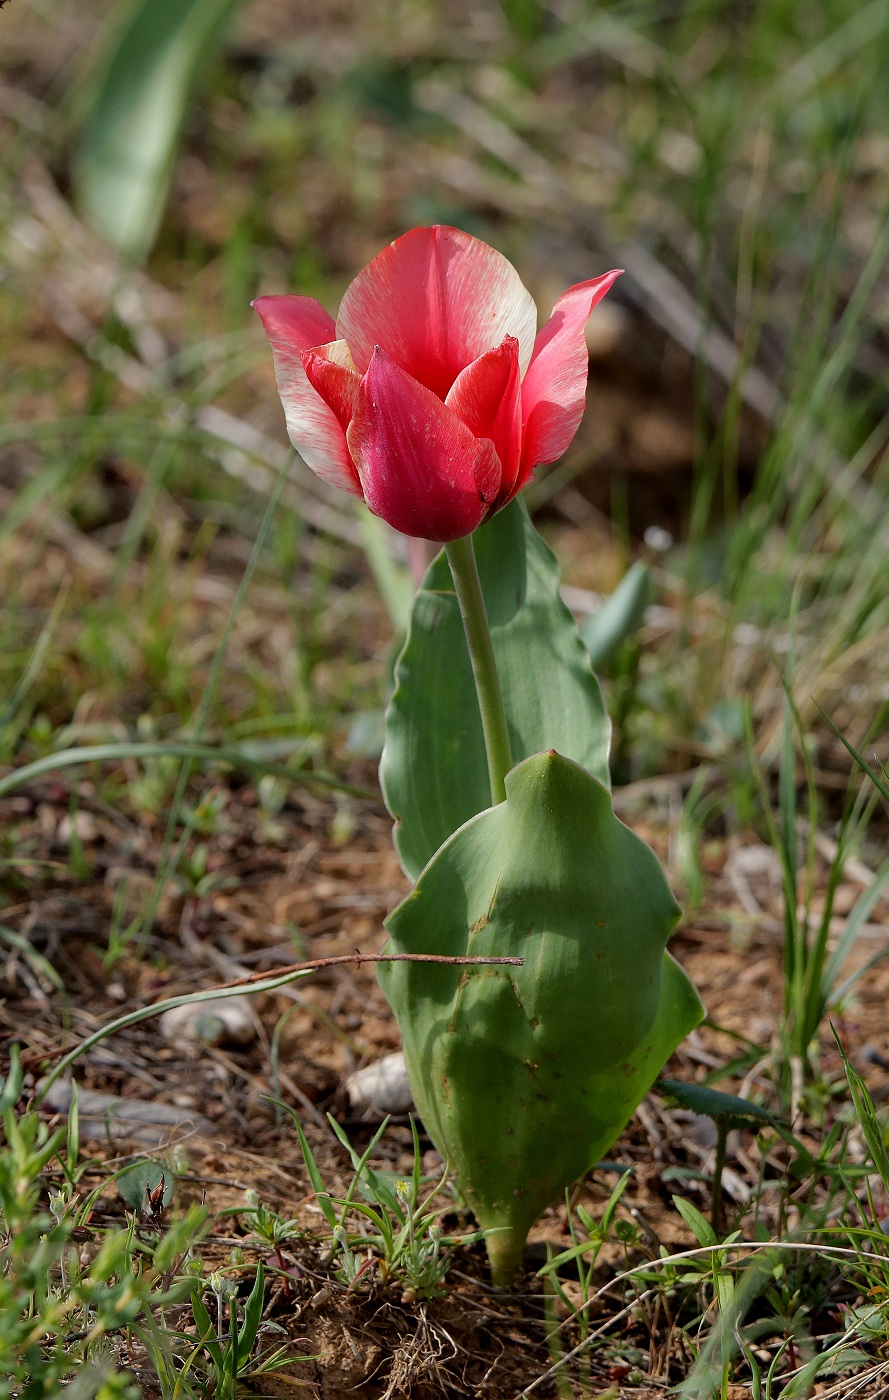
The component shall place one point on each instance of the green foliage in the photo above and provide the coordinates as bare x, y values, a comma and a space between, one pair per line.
125, 157
812, 969
525, 1077
433, 770
619, 617
98, 753
773, 110
525, 17
728, 1112
867, 1117
231, 1352
56, 1309
584, 1254
398, 1232
726, 1109
146, 1187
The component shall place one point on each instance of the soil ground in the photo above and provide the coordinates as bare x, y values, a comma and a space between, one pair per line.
318, 884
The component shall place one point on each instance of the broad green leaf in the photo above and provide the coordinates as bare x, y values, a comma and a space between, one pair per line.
137, 1183
125, 157
619, 617
525, 1076
722, 1108
434, 773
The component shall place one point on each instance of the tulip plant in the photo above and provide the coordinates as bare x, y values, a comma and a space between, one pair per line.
434, 398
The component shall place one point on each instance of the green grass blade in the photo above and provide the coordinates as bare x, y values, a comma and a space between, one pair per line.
144, 1013
855, 921
879, 782
207, 753
619, 617
206, 1329
125, 157
867, 1116
252, 1317
316, 1180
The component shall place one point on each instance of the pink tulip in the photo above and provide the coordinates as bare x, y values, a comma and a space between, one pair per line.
430, 396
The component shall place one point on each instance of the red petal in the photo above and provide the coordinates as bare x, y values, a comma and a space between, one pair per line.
421, 468
487, 397
435, 300
294, 324
554, 389
331, 372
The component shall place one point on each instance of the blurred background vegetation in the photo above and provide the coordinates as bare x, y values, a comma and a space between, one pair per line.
178, 590
162, 163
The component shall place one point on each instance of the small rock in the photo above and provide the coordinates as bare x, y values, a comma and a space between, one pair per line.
697, 1128
380, 1088
755, 860
221, 1021
129, 1120
79, 824
658, 539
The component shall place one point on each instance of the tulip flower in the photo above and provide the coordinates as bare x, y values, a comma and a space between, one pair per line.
430, 396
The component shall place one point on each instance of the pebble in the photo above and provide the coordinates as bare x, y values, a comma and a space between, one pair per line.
79, 824
129, 1120
221, 1021
380, 1088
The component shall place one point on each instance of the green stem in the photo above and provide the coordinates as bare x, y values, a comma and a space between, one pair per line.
464, 571
506, 1250
718, 1168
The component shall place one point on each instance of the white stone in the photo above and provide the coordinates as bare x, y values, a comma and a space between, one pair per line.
220, 1021
380, 1088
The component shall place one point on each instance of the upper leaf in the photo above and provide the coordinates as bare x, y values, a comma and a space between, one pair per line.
433, 771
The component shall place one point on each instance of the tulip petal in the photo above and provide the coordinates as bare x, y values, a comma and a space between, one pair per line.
487, 396
435, 300
421, 468
331, 372
294, 324
554, 389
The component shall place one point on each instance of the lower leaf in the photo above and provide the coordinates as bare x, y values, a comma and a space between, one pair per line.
525, 1076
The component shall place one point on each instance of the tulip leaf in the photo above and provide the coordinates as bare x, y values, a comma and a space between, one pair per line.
620, 616
124, 161
524, 1076
433, 771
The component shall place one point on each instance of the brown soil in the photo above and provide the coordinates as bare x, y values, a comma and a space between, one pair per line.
301, 890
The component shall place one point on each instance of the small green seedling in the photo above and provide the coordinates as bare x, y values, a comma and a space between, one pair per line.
727, 1112
231, 1351
403, 1242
